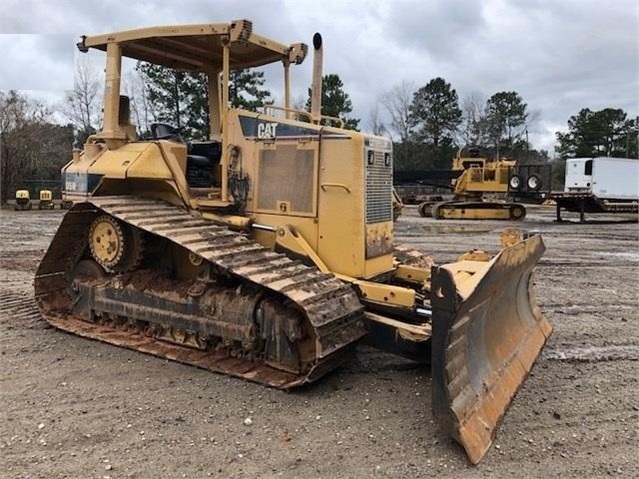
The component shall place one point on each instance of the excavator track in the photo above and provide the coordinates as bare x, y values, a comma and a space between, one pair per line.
122, 312
477, 210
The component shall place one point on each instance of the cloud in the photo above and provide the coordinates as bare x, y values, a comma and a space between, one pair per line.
560, 56
37, 62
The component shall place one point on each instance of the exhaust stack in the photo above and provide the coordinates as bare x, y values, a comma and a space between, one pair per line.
316, 88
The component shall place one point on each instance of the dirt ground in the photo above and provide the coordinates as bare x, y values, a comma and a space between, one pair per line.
71, 407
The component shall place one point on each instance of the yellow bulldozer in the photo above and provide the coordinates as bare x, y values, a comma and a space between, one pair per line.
479, 176
286, 259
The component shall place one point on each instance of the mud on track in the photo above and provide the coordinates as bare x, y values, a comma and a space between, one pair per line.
77, 408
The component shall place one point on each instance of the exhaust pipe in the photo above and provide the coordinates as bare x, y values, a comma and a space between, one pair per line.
316, 87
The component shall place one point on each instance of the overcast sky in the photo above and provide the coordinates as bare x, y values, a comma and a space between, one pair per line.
560, 56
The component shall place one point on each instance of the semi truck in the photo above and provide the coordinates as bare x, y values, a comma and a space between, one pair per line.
599, 185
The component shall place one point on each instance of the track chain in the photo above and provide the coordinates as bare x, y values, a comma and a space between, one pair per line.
330, 305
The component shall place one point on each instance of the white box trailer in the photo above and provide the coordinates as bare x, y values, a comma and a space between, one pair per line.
599, 185
606, 178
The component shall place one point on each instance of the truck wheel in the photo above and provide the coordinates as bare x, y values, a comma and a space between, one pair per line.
515, 182
534, 183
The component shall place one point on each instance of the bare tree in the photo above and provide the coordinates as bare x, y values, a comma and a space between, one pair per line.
143, 113
376, 124
83, 104
489, 124
13, 117
474, 127
299, 103
397, 102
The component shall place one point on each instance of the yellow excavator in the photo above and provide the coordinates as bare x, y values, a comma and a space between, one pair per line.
477, 177
285, 260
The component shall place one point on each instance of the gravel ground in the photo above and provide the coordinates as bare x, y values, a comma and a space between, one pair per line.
72, 407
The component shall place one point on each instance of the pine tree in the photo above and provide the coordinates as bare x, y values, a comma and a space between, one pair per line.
607, 132
506, 119
335, 101
181, 98
245, 90
433, 119
434, 112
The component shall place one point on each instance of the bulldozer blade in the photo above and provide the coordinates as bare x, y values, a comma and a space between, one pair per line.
487, 333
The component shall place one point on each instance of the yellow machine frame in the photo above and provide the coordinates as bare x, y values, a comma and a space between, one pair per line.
115, 153
319, 194
479, 176
482, 175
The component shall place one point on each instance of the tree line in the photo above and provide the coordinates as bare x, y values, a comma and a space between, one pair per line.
430, 123
32, 145
181, 99
427, 124
606, 132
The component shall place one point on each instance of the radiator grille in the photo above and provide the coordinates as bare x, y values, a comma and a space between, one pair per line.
379, 186
286, 174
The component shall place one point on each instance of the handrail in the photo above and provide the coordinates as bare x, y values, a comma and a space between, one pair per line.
334, 185
334, 118
302, 112
286, 110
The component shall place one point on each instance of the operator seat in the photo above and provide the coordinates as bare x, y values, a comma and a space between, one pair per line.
202, 158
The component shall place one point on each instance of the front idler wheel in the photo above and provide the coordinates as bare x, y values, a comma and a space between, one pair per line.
114, 245
517, 212
425, 210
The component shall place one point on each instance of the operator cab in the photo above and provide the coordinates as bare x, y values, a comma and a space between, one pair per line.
214, 50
